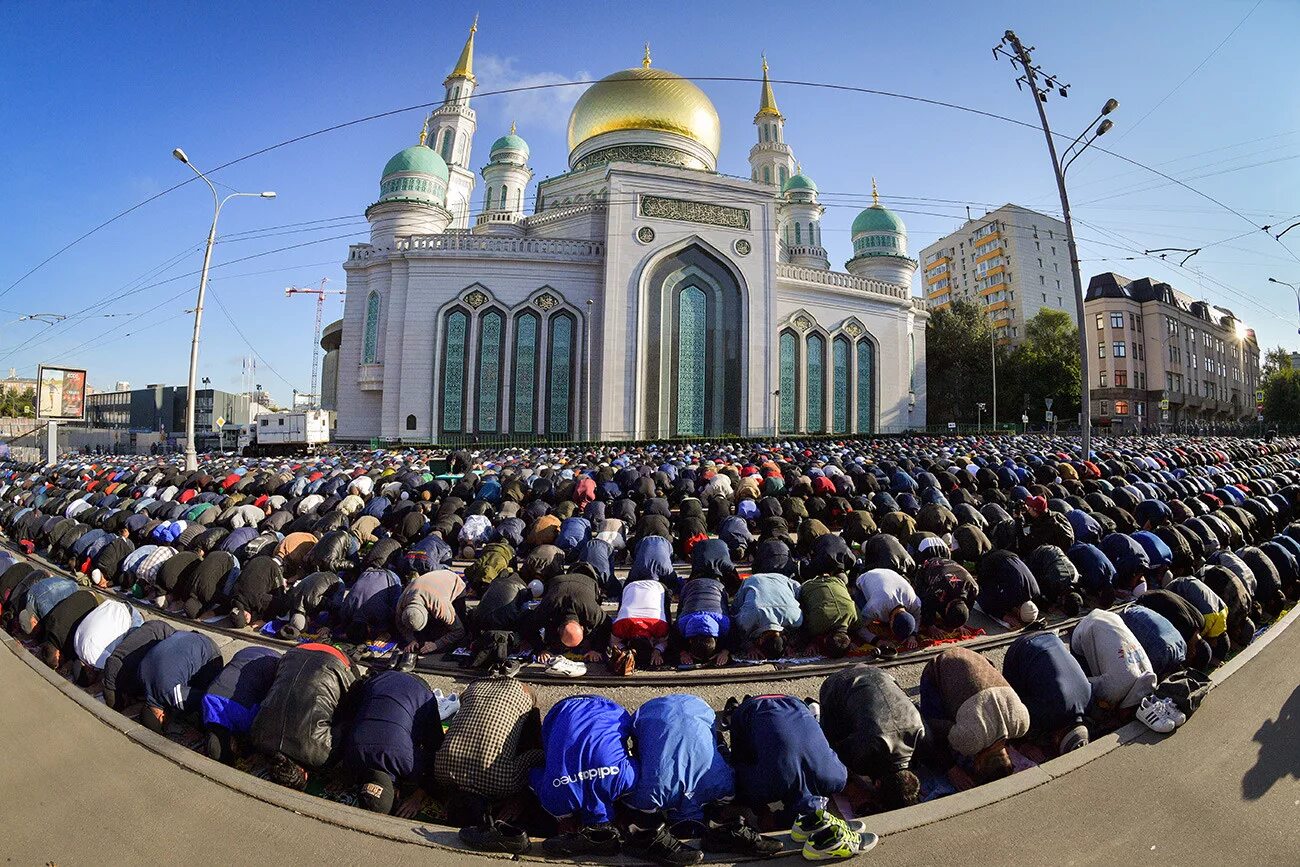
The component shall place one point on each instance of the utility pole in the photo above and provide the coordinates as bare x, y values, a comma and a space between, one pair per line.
1020, 58
320, 294
993, 360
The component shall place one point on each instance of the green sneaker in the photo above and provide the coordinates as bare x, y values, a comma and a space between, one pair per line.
836, 843
810, 823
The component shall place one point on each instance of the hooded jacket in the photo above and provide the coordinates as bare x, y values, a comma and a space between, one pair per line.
679, 765
1164, 646
60, 625
297, 716
767, 602
869, 721
177, 671
260, 583
1048, 680
395, 727
967, 701
1118, 668
1212, 608
1005, 583
827, 605
587, 767
234, 696
371, 600
780, 753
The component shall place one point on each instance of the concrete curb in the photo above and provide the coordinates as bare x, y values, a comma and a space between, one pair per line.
446, 839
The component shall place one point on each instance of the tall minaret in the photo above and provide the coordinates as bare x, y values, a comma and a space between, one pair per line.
505, 179
771, 159
451, 130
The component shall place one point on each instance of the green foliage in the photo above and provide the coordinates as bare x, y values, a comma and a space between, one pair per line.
17, 404
1275, 359
1045, 365
1282, 396
958, 373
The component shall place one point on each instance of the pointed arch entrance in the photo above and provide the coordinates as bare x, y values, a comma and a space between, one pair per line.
693, 383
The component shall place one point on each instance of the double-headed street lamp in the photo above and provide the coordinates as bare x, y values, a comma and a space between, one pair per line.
191, 455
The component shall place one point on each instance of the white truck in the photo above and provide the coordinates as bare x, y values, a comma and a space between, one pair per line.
291, 432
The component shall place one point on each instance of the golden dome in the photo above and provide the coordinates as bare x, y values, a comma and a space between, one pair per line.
645, 99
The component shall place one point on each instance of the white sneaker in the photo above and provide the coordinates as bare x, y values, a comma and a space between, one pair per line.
1173, 712
562, 666
448, 705
1153, 715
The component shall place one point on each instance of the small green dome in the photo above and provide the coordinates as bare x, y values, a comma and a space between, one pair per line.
510, 142
420, 160
877, 219
799, 181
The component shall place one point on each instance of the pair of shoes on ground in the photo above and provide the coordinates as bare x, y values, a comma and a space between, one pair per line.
509, 668
591, 840
496, 836
826, 837
448, 705
1160, 715
661, 846
562, 666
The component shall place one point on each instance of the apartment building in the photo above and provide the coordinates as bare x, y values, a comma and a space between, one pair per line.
1013, 260
1163, 360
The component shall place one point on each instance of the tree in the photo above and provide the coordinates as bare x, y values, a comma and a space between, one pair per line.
1282, 396
958, 372
17, 404
1275, 359
1045, 366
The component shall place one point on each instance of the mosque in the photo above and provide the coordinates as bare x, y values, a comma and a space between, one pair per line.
647, 295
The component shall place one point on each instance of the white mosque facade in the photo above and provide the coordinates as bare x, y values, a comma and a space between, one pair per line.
645, 296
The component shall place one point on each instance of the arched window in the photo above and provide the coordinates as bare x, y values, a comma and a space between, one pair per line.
560, 380
490, 346
455, 93
840, 385
692, 319
455, 338
370, 347
798, 235
767, 175
788, 382
524, 409
410, 422
1121, 407
784, 175
503, 197
866, 386
816, 383
447, 142
487, 205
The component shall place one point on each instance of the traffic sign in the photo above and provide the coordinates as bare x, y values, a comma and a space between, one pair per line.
1048, 401
952, 425
1024, 419
221, 421
1259, 396
1164, 404
1049, 415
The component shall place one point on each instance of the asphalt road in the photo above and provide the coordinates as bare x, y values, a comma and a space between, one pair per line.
1224, 789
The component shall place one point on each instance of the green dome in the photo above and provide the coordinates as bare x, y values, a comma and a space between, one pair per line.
510, 142
420, 160
877, 219
799, 182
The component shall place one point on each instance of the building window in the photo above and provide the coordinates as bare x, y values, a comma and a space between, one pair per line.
1121, 407
561, 374
410, 422
490, 346
1117, 320
783, 175
1101, 320
816, 383
1103, 379
767, 175
788, 381
1120, 349
866, 385
798, 235
487, 205
1105, 407
1101, 350
445, 149
453, 371
840, 385
525, 373
370, 347
1121, 379
692, 324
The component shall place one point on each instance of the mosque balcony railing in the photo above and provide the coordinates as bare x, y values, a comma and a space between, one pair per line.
497, 217
370, 377
840, 280
457, 244
564, 212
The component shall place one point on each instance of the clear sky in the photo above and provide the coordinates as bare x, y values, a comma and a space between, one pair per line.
96, 95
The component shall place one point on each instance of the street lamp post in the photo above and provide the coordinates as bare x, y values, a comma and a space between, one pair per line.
979, 419
1020, 56
993, 360
191, 455
1293, 287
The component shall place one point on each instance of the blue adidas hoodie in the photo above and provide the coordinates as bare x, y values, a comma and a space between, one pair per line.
781, 755
679, 765
587, 767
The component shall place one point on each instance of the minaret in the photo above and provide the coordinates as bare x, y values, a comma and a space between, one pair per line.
880, 245
800, 222
771, 160
505, 180
451, 129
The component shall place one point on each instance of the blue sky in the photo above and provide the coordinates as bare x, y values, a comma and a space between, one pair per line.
97, 95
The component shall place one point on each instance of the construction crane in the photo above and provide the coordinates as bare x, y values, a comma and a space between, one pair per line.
320, 294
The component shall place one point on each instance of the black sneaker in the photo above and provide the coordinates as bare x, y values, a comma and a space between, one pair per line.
594, 840
496, 837
661, 847
737, 837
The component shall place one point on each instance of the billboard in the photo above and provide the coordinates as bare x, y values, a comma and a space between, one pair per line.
60, 393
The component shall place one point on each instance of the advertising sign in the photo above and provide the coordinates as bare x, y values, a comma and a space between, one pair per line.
60, 393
